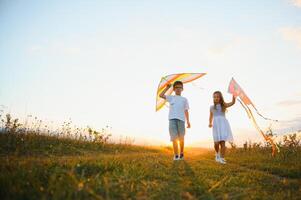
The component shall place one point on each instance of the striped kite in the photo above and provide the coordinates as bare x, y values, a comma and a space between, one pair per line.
170, 79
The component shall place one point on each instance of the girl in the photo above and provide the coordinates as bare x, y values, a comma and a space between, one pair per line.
221, 128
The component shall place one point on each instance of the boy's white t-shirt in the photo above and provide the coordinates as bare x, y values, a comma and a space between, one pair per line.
177, 107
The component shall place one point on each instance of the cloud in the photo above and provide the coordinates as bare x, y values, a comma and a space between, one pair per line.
287, 126
289, 103
292, 34
294, 121
296, 3
34, 48
55, 48
224, 46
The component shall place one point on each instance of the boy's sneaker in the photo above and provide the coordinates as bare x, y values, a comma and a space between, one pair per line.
176, 157
181, 156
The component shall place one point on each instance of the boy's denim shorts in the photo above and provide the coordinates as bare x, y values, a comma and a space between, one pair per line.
176, 129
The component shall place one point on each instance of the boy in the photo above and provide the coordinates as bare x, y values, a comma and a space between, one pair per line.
178, 112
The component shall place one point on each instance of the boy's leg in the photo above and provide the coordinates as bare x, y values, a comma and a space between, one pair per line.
175, 147
181, 130
173, 131
182, 146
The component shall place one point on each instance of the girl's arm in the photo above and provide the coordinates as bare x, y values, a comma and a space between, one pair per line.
231, 103
187, 118
210, 119
162, 94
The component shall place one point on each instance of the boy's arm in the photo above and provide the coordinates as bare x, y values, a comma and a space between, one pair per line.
231, 103
162, 94
210, 119
187, 118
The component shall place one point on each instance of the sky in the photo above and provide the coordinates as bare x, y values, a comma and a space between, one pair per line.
100, 62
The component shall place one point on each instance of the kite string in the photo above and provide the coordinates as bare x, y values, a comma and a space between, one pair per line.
197, 86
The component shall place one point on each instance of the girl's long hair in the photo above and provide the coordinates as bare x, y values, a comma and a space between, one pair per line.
222, 102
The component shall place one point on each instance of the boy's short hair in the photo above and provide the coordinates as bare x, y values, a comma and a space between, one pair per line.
177, 83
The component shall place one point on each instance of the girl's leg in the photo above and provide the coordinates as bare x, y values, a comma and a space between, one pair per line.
223, 148
216, 147
175, 147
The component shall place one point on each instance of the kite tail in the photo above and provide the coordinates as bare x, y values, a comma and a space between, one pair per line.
274, 120
267, 138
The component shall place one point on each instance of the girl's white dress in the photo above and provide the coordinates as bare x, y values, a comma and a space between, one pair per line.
221, 128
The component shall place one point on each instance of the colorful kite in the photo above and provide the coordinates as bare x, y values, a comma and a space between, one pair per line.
245, 101
170, 79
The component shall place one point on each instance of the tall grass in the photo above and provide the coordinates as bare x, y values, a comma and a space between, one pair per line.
38, 138
39, 162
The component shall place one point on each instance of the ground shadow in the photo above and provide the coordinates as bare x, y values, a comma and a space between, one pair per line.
183, 183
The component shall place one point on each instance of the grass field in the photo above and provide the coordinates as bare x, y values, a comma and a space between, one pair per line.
52, 168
